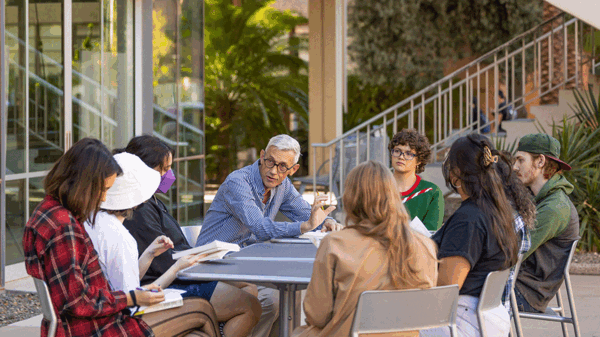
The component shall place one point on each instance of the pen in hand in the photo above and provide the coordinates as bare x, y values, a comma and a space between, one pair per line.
322, 207
144, 289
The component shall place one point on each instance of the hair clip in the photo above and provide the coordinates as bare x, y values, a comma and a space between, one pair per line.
488, 159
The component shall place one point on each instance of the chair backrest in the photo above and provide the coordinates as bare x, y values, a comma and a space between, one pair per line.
571, 253
46, 303
517, 268
191, 233
491, 295
382, 311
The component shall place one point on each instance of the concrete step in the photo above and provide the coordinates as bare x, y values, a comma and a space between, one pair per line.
546, 115
518, 128
433, 173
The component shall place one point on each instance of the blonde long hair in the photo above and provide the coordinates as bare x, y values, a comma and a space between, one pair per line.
374, 208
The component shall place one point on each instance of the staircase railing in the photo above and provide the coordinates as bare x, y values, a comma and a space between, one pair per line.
536, 63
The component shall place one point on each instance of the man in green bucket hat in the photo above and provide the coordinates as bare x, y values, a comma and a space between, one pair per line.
538, 166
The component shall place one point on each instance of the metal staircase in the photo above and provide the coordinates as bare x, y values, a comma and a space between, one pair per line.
526, 68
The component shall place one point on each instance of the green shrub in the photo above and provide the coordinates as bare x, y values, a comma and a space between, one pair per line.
580, 147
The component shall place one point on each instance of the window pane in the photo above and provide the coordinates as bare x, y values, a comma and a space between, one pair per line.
45, 84
15, 220
191, 193
15, 36
103, 71
191, 125
36, 193
165, 67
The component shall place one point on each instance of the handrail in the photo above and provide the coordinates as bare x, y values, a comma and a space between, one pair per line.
447, 108
444, 79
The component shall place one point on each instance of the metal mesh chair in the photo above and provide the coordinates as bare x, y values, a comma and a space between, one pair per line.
491, 296
554, 314
384, 311
46, 303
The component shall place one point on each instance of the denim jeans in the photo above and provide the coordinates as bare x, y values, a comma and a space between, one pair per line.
522, 303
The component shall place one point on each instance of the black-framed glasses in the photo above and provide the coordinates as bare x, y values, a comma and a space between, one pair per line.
281, 168
407, 155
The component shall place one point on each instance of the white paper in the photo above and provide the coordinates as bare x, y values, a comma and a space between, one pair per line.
314, 237
209, 248
173, 299
418, 226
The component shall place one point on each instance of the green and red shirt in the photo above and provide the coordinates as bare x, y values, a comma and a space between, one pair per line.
426, 201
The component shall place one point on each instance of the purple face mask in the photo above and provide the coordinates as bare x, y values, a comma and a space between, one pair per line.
166, 181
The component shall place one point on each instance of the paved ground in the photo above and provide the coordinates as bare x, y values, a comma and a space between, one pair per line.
587, 300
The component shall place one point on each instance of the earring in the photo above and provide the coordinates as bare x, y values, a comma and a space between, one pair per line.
456, 187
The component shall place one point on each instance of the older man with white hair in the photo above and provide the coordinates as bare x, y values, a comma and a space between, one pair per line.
246, 204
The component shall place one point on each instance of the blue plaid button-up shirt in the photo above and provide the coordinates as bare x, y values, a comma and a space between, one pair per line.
238, 215
523, 233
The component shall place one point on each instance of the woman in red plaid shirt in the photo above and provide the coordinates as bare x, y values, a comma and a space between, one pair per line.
59, 251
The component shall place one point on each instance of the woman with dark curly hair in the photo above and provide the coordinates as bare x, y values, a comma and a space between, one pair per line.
422, 199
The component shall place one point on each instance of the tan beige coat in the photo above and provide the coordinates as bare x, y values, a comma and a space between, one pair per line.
348, 263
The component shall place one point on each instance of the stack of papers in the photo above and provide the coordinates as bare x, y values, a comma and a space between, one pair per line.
314, 237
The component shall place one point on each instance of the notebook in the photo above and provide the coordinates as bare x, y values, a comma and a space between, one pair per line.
173, 299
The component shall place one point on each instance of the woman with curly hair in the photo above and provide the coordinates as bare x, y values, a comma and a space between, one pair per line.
423, 199
376, 250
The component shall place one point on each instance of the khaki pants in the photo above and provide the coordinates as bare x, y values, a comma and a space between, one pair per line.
195, 318
269, 301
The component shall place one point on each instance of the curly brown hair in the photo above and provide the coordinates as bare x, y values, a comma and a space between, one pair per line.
417, 142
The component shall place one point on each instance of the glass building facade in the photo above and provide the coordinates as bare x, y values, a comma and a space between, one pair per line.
108, 69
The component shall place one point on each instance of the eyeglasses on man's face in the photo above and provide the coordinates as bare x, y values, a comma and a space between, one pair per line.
407, 155
281, 168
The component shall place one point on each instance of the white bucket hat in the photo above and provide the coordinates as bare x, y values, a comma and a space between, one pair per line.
136, 185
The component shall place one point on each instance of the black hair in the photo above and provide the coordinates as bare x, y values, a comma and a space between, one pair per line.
518, 194
151, 150
471, 160
501, 94
77, 179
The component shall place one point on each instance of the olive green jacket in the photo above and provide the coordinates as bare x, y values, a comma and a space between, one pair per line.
557, 226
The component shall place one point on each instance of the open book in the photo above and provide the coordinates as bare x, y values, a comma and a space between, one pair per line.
173, 299
214, 250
